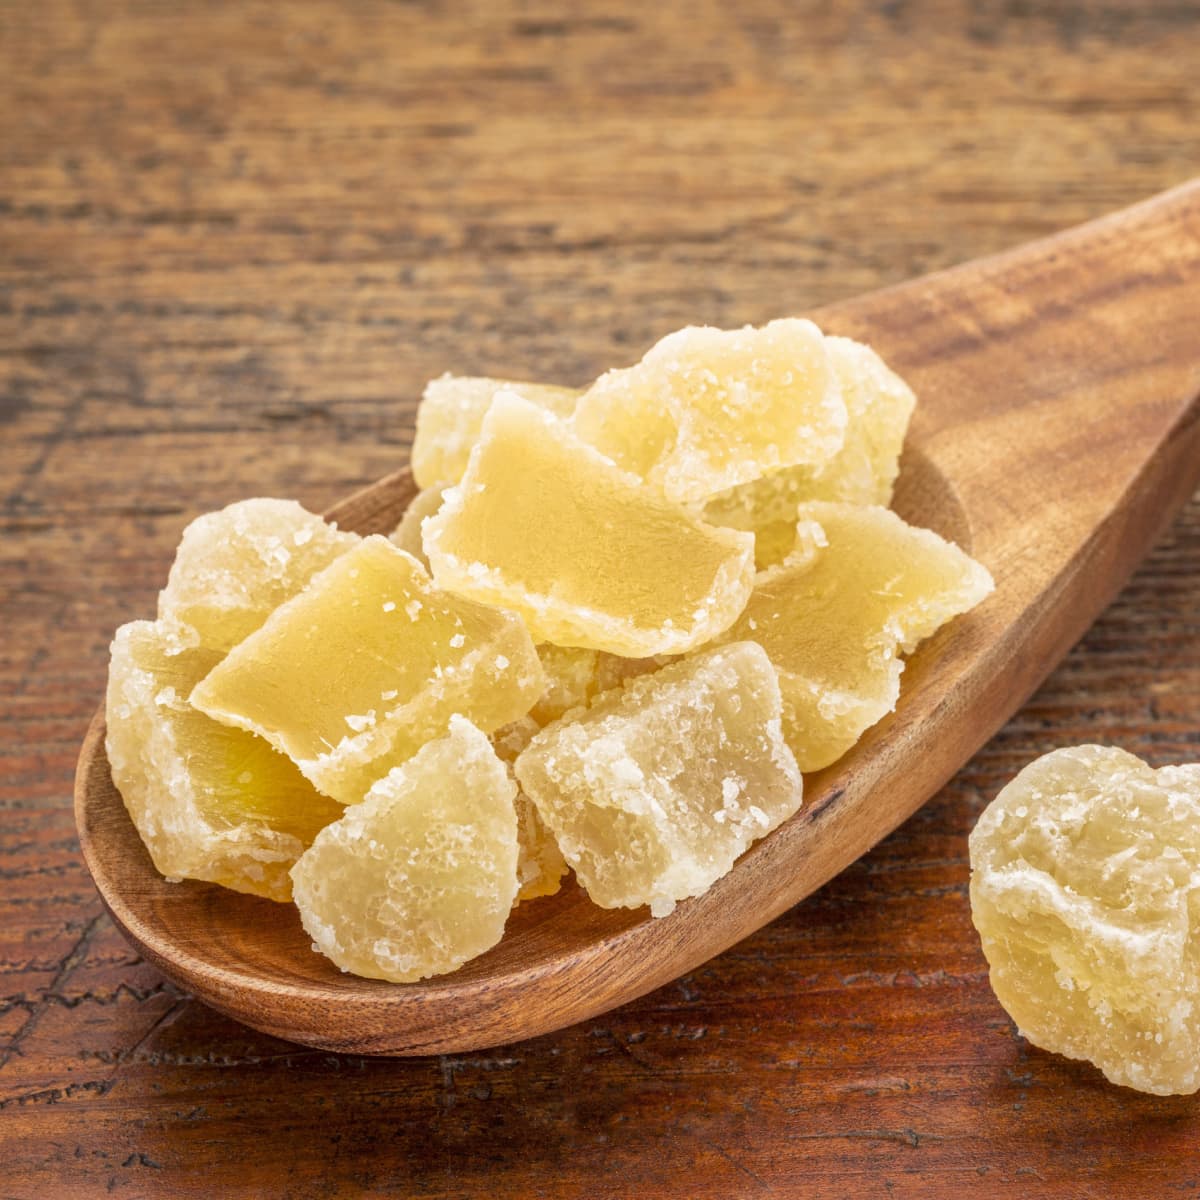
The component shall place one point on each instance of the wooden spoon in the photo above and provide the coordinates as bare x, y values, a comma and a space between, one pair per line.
1057, 431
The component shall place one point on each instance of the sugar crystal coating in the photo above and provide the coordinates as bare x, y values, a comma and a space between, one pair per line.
421, 876
234, 567
861, 587
209, 802
589, 556
654, 791
358, 671
450, 417
407, 534
879, 405
612, 670
540, 864
708, 409
1085, 889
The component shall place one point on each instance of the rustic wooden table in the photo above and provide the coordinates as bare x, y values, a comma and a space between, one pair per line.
235, 239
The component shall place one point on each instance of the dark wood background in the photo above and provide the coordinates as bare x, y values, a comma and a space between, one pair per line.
235, 239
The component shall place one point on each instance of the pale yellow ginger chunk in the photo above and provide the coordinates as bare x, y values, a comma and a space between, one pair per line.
234, 567
570, 680
210, 802
1085, 889
570, 676
861, 588
450, 417
352, 676
879, 405
654, 791
708, 409
421, 876
540, 864
612, 670
407, 535
546, 526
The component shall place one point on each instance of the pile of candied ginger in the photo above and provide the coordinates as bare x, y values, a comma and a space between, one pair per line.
612, 630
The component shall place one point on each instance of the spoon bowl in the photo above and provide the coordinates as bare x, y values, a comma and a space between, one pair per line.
1057, 431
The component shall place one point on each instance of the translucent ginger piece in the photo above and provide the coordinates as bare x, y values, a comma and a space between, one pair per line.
407, 535
234, 567
540, 864
570, 674
879, 405
860, 588
209, 802
573, 677
1085, 889
708, 409
612, 670
655, 790
450, 417
421, 876
356, 673
546, 526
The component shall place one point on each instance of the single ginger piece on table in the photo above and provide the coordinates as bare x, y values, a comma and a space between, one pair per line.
366, 665
1085, 889
421, 876
654, 791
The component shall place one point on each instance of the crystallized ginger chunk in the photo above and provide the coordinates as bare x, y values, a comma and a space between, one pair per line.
451, 414
612, 670
879, 405
421, 876
407, 535
358, 671
540, 864
861, 587
209, 802
655, 790
708, 409
590, 557
236, 566
1085, 889
570, 675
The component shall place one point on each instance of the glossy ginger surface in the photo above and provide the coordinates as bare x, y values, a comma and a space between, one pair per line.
368, 663
861, 588
589, 556
210, 802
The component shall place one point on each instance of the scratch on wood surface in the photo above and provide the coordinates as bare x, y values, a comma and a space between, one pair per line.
70, 961
713, 1144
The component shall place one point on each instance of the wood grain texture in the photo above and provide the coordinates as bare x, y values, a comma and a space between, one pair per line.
1067, 368
234, 241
